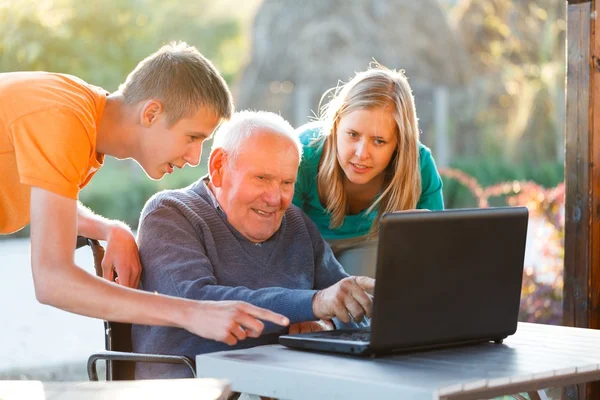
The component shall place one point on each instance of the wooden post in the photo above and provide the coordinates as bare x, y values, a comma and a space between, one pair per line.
582, 174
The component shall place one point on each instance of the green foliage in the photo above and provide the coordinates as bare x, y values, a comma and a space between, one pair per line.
517, 51
102, 41
488, 171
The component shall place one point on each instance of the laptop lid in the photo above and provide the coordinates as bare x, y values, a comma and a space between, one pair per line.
448, 276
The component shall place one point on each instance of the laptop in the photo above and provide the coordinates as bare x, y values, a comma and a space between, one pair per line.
443, 278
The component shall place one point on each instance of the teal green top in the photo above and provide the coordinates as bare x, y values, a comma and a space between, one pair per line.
306, 194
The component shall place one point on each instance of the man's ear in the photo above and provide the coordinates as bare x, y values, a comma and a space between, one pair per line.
216, 164
150, 111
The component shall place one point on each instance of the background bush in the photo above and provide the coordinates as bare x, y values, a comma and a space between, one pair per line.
489, 171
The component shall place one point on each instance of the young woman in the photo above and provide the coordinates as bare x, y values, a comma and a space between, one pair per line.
363, 158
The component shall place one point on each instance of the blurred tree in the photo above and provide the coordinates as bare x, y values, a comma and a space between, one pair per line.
101, 41
519, 45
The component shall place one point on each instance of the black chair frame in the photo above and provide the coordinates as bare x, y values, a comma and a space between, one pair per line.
119, 356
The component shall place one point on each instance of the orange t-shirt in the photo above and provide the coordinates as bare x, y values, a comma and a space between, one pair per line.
47, 139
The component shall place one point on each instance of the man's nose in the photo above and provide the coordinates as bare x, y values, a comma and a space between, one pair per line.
273, 196
192, 157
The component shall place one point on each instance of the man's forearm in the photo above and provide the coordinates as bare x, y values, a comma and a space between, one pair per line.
294, 304
94, 226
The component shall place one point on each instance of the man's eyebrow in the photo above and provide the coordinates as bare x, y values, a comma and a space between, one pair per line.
272, 176
198, 133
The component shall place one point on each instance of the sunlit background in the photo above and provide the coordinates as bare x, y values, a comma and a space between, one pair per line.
488, 78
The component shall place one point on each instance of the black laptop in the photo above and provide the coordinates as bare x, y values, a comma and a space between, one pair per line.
443, 278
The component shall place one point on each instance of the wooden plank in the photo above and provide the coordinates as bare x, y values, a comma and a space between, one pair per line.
593, 390
582, 175
594, 152
576, 273
577, 217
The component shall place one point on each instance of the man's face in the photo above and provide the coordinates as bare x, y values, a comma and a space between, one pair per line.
256, 189
168, 147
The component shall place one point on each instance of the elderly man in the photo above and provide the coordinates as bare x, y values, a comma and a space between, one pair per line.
234, 236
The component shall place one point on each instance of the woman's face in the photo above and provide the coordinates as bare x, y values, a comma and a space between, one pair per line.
366, 141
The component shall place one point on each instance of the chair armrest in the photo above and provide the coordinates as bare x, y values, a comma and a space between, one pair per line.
97, 251
136, 357
81, 242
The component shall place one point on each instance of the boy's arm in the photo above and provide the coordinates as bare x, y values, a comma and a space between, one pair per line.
121, 250
60, 283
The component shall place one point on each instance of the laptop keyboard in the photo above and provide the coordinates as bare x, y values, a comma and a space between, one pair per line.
351, 335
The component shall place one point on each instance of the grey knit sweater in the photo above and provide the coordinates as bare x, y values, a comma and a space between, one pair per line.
188, 249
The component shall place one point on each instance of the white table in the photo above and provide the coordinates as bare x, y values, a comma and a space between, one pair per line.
536, 357
174, 389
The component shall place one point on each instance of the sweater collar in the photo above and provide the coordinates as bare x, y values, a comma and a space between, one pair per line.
211, 196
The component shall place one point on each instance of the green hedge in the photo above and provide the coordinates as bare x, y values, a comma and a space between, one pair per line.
489, 171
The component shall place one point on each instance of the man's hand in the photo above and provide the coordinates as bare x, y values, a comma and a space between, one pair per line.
346, 298
122, 256
312, 326
230, 321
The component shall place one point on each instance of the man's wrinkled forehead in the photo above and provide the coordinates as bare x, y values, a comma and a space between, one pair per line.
264, 144
277, 153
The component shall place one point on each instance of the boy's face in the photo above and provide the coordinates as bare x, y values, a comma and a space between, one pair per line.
168, 147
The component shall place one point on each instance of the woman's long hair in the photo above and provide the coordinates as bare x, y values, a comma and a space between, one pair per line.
378, 87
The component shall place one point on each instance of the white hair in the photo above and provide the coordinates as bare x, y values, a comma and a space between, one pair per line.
232, 134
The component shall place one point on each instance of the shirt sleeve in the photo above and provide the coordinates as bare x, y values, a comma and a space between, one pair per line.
431, 183
52, 148
175, 263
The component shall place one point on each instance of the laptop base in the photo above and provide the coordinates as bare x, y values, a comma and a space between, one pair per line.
299, 342
315, 341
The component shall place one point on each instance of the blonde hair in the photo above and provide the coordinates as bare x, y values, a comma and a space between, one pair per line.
182, 79
378, 87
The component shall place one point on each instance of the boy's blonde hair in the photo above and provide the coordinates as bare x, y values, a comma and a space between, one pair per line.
182, 79
378, 87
